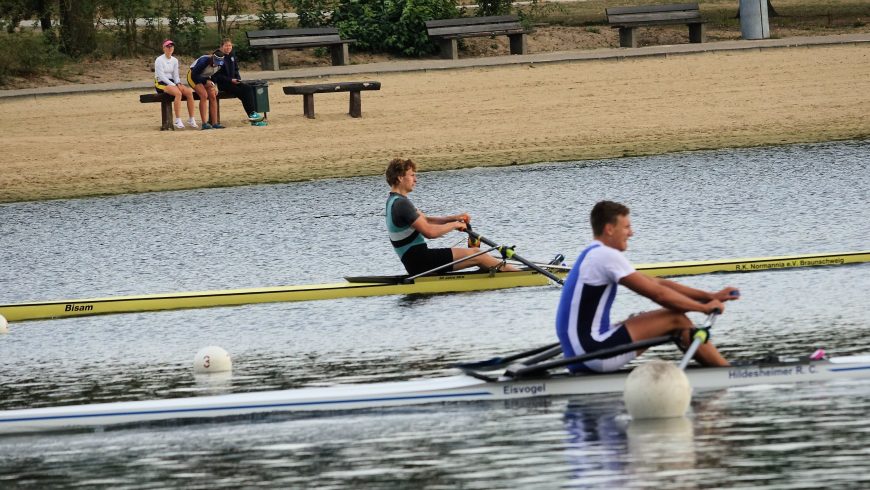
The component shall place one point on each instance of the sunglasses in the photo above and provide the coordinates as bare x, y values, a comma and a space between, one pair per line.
169, 46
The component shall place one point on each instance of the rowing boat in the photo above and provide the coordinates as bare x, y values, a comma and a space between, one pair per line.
463, 387
392, 285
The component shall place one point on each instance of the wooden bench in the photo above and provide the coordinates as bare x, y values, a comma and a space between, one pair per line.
627, 19
166, 106
307, 92
446, 32
269, 42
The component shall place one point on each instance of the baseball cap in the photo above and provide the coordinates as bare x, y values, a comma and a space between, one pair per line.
218, 57
168, 42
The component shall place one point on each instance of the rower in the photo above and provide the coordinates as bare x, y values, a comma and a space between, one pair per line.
408, 226
582, 320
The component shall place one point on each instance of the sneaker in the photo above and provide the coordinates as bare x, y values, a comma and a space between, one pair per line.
256, 117
259, 123
206, 125
192, 123
179, 124
218, 126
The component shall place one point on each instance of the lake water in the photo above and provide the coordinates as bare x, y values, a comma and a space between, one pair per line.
690, 206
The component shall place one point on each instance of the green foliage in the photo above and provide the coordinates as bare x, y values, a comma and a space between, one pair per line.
186, 24
28, 54
395, 26
222, 10
122, 17
313, 13
270, 15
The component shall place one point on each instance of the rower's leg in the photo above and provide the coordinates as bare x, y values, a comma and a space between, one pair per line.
663, 322
485, 260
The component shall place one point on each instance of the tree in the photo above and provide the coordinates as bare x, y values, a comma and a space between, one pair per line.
222, 10
78, 35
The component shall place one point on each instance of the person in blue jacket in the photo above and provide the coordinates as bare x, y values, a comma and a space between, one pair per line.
199, 77
229, 80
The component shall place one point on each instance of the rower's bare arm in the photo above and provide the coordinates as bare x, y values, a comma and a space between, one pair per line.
670, 298
442, 220
429, 228
726, 294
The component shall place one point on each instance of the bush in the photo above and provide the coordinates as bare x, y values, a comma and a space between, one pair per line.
28, 54
395, 26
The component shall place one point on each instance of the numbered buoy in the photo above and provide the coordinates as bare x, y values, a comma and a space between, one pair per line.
4, 325
212, 359
657, 389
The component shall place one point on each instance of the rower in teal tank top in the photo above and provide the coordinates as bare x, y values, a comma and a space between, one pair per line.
409, 228
400, 214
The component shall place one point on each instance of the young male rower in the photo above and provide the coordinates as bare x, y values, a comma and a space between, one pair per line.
583, 318
408, 226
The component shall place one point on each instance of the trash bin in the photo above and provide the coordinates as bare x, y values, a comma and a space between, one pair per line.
753, 19
261, 95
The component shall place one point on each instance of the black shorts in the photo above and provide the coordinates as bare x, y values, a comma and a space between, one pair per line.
421, 258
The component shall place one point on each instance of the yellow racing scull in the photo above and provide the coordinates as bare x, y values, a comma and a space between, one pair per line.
453, 282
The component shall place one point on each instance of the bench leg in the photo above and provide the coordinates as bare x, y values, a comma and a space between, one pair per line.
697, 33
340, 54
269, 59
627, 38
518, 43
449, 49
355, 104
308, 105
166, 114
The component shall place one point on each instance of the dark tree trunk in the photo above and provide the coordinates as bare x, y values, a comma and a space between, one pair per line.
77, 31
43, 11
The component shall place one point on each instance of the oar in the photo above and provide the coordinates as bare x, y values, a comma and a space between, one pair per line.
508, 253
522, 371
702, 333
501, 361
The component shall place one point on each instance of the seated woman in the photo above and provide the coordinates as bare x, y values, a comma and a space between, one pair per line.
199, 77
167, 81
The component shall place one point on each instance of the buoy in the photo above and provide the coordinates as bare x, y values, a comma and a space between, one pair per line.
212, 359
4, 325
657, 389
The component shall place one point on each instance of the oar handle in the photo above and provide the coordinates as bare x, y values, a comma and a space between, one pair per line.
508, 253
702, 334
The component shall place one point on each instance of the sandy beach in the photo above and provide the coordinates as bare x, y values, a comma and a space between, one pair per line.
108, 143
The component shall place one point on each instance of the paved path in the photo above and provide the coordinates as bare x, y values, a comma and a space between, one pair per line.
438, 64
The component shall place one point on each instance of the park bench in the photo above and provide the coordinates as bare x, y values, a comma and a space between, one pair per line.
166, 106
446, 32
627, 19
270, 41
307, 92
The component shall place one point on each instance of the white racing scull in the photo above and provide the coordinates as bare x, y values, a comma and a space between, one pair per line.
463, 387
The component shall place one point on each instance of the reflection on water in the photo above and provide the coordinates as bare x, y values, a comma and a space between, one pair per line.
742, 203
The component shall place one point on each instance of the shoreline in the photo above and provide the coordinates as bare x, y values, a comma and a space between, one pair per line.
513, 114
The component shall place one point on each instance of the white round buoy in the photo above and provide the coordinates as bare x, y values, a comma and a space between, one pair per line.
4, 325
657, 389
212, 359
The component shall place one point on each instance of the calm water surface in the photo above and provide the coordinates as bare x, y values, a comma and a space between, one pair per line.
692, 206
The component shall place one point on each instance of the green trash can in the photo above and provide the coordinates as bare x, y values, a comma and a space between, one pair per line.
261, 95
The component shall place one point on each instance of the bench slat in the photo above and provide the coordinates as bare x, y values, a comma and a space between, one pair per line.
651, 8
275, 43
307, 31
467, 21
322, 88
476, 30
654, 18
155, 97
